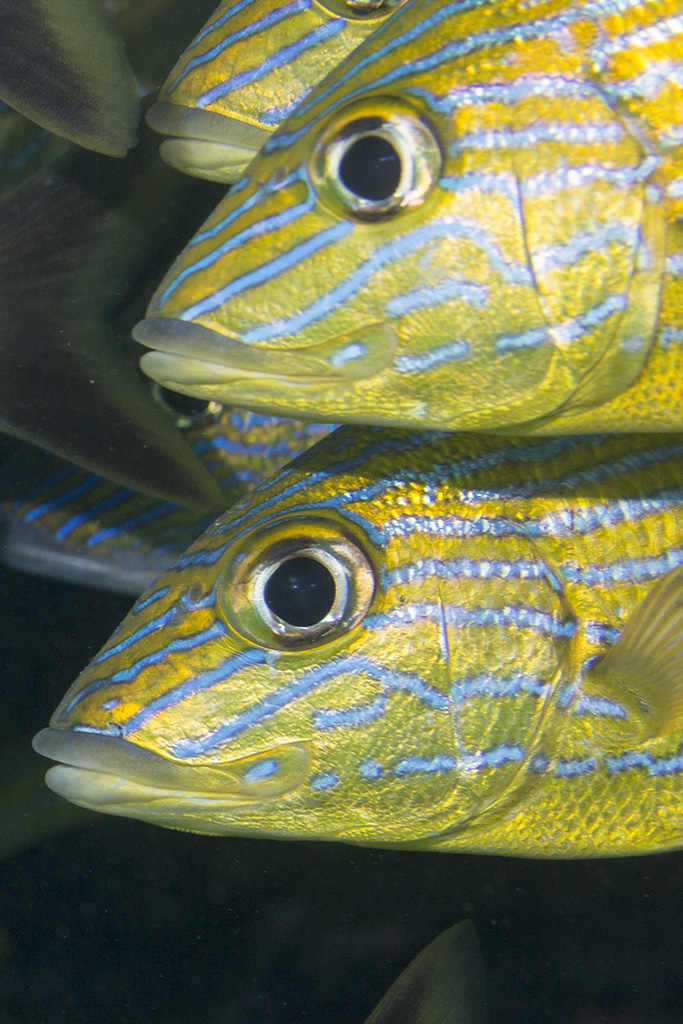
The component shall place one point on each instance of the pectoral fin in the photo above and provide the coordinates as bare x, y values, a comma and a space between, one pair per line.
63, 64
644, 669
444, 984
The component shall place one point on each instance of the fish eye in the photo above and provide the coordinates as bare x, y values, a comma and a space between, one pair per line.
300, 591
378, 157
366, 10
371, 168
295, 585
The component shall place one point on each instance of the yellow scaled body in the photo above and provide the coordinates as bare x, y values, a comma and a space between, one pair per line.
471, 223
441, 641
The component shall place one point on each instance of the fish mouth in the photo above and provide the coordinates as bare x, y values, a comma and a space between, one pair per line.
206, 144
199, 361
111, 774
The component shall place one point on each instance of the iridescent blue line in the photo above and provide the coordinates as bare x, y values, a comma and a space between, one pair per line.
145, 602
670, 764
498, 686
395, 250
469, 568
306, 682
128, 674
62, 499
178, 646
281, 58
194, 685
518, 616
255, 230
269, 270
629, 570
92, 512
148, 516
266, 22
565, 132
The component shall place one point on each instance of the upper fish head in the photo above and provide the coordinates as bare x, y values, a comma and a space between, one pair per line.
302, 671
399, 254
247, 69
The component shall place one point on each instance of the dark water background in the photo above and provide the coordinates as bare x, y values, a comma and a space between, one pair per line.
124, 922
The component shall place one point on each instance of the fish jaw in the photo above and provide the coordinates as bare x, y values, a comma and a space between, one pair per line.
206, 144
191, 359
112, 775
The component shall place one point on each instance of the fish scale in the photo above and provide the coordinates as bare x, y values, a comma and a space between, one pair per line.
531, 285
459, 709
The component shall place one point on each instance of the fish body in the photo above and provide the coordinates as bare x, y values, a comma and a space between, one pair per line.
246, 70
431, 641
472, 223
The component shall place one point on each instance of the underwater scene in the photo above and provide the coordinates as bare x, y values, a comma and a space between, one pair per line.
341, 511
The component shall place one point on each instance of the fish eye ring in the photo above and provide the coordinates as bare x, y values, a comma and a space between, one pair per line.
296, 584
361, 10
376, 158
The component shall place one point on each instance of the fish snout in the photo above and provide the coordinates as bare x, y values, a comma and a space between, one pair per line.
113, 774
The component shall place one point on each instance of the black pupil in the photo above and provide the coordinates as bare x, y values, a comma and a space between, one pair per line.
301, 591
371, 168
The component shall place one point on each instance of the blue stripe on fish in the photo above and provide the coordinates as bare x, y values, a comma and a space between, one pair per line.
277, 60
268, 270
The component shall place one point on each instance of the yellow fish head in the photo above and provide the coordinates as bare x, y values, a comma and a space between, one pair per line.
411, 249
246, 70
299, 672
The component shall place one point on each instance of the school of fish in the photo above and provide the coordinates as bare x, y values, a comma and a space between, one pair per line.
463, 216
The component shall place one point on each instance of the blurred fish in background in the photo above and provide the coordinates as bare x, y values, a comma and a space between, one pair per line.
444, 984
60, 521
63, 64
82, 236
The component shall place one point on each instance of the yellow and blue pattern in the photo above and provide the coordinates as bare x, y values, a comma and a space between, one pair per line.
471, 223
246, 71
434, 641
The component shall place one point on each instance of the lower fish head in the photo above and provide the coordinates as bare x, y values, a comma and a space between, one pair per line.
313, 669
246, 70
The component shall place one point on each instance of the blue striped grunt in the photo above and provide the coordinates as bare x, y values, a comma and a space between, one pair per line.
60, 521
427, 640
472, 223
245, 72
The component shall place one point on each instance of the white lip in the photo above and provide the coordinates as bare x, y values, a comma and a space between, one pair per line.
206, 144
98, 771
200, 355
